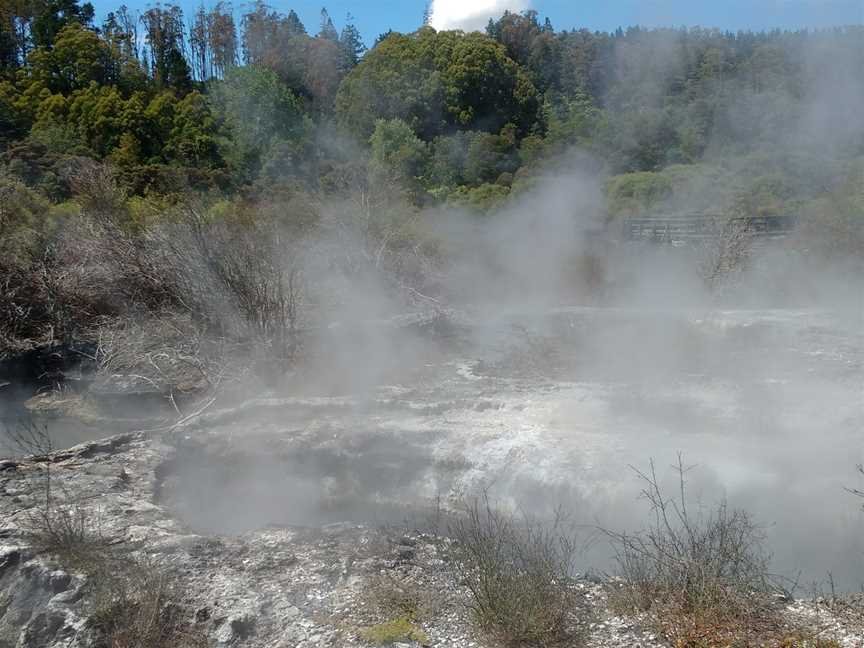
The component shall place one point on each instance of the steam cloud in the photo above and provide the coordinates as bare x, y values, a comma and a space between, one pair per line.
473, 14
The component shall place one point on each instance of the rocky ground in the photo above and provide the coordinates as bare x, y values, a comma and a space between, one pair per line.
283, 518
275, 587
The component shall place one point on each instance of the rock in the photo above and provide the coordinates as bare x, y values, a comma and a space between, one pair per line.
236, 628
59, 581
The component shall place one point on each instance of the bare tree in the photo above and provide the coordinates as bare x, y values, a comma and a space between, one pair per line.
725, 250
199, 42
222, 34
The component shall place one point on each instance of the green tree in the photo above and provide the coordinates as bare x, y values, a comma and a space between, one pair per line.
393, 81
490, 155
78, 58
51, 16
484, 87
259, 110
398, 152
351, 45
634, 193
435, 80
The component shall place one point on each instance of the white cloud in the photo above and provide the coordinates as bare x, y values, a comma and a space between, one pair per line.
471, 15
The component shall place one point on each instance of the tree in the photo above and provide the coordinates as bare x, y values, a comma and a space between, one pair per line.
293, 25
166, 42
50, 16
260, 27
328, 29
398, 152
393, 81
78, 58
433, 80
222, 35
199, 43
351, 45
259, 110
484, 87
634, 193
491, 155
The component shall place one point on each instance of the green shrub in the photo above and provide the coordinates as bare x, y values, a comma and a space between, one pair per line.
398, 630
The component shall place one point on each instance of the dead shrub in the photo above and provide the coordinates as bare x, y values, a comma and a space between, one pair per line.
701, 575
169, 353
234, 279
137, 607
726, 250
57, 524
94, 185
518, 572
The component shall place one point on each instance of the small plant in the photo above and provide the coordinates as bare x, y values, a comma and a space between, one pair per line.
131, 603
701, 575
399, 629
136, 607
804, 640
517, 571
399, 597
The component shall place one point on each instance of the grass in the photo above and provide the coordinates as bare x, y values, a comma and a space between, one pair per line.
399, 597
396, 630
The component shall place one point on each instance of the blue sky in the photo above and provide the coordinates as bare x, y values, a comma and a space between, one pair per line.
372, 18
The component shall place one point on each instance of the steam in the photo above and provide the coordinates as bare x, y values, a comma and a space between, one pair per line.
471, 15
584, 374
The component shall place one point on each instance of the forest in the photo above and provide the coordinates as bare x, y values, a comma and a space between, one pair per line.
243, 128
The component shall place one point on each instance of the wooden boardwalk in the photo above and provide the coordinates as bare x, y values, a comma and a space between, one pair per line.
682, 228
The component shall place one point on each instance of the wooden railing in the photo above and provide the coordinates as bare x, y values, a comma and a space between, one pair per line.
693, 227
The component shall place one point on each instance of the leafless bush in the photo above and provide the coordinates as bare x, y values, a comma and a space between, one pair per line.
855, 491
517, 570
27, 437
252, 265
170, 353
692, 565
237, 280
726, 250
136, 606
57, 524
95, 185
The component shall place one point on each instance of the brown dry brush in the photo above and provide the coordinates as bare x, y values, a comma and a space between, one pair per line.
140, 606
518, 572
696, 573
200, 285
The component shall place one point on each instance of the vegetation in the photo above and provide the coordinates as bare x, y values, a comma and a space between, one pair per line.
518, 573
172, 170
131, 601
399, 629
220, 98
702, 576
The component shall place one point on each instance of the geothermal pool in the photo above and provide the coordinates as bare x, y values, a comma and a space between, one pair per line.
551, 409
